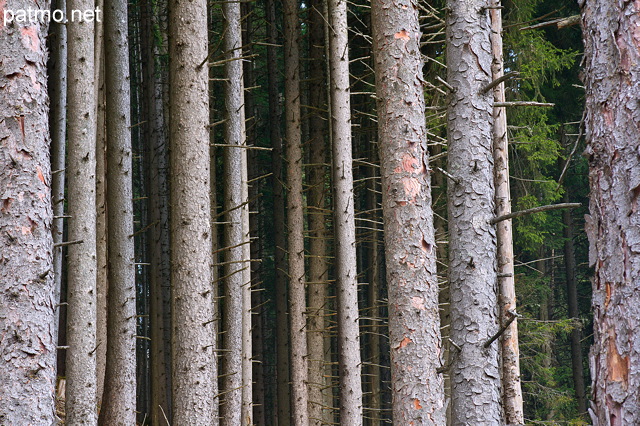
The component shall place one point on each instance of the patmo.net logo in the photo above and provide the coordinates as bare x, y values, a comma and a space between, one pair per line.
32, 16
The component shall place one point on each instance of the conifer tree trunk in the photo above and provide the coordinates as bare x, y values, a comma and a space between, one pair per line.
235, 408
511, 387
612, 80
192, 301
119, 400
81, 183
295, 217
282, 331
318, 267
27, 304
414, 323
475, 375
344, 223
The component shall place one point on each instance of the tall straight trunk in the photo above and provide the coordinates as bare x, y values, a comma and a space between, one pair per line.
235, 408
81, 183
27, 304
119, 400
475, 375
295, 217
574, 313
58, 125
511, 386
612, 80
191, 299
316, 202
414, 323
344, 223
158, 237
282, 331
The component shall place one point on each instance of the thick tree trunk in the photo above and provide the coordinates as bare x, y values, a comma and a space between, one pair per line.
81, 183
574, 313
344, 222
295, 218
511, 387
119, 400
316, 204
280, 264
234, 409
414, 323
192, 301
475, 375
27, 304
612, 80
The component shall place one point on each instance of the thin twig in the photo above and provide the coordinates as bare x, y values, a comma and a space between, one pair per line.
534, 210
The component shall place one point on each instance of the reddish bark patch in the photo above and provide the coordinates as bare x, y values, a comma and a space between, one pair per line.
608, 115
404, 342
402, 35
412, 188
40, 175
426, 247
30, 38
416, 404
6, 204
20, 121
608, 296
418, 303
618, 366
3, 4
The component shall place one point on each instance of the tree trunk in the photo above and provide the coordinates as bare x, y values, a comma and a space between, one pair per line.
572, 303
295, 217
612, 80
282, 332
234, 409
316, 202
27, 304
81, 183
119, 400
475, 375
414, 323
344, 223
511, 387
192, 301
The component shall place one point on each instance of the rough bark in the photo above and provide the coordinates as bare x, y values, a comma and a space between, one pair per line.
119, 400
81, 183
510, 351
282, 332
318, 267
409, 238
344, 222
574, 313
612, 80
27, 304
191, 299
235, 389
475, 375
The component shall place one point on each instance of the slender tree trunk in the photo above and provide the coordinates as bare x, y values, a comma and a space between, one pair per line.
27, 304
511, 387
344, 223
81, 183
282, 331
119, 400
475, 376
192, 298
612, 80
234, 409
318, 267
572, 303
295, 217
158, 201
414, 323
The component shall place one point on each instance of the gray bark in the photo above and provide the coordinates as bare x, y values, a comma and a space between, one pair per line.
612, 80
295, 218
475, 375
81, 183
344, 219
192, 301
27, 304
235, 408
119, 400
414, 323
510, 351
